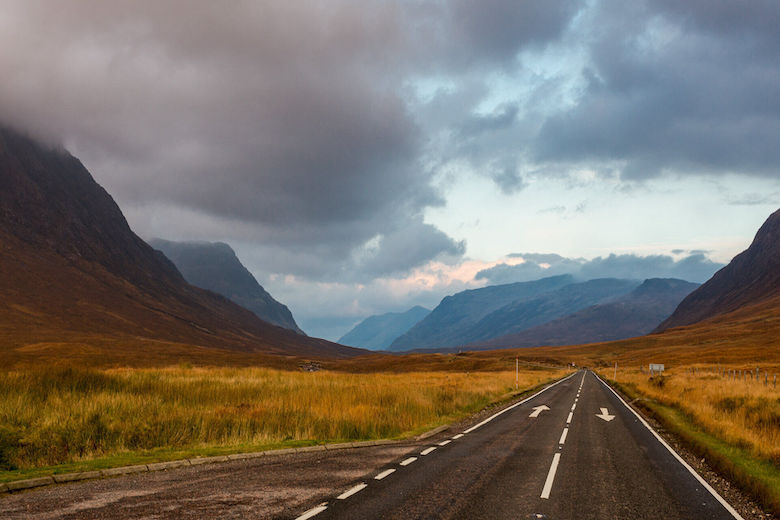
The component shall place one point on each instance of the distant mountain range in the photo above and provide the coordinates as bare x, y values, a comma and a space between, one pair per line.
634, 314
524, 314
452, 319
482, 314
75, 279
752, 277
215, 266
379, 331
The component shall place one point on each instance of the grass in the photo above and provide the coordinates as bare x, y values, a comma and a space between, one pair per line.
68, 419
733, 424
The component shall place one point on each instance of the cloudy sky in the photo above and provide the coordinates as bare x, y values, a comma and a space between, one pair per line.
363, 157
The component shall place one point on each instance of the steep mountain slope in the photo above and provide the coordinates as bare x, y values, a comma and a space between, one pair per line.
456, 314
521, 315
215, 266
379, 331
72, 271
751, 277
631, 315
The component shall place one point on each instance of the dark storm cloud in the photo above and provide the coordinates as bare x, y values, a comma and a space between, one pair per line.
684, 86
285, 118
695, 267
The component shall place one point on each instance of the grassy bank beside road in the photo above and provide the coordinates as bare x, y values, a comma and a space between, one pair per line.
83, 419
733, 424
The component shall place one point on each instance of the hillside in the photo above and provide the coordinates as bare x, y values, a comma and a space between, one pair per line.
379, 331
751, 277
522, 315
215, 266
74, 276
456, 314
634, 314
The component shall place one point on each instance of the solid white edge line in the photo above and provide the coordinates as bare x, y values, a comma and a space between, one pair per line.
408, 461
348, 493
384, 474
517, 404
312, 512
444, 443
563, 436
550, 476
692, 471
426, 451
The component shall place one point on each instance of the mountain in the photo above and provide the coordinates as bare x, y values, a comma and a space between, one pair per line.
751, 277
634, 314
378, 332
74, 276
215, 266
456, 314
522, 315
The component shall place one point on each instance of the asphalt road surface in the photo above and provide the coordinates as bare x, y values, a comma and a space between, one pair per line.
573, 451
587, 456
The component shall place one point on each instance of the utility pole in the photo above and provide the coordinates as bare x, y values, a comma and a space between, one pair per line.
615, 371
517, 373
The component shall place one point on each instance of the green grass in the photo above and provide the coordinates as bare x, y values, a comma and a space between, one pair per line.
759, 478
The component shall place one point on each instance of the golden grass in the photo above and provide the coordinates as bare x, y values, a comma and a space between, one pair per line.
61, 415
741, 411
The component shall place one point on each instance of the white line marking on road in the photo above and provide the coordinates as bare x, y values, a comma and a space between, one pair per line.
444, 443
456, 437
605, 415
313, 511
517, 404
426, 451
348, 493
568, 420
385, 473
538, 410
573, 406
408, 461
551, 476
698, 477
563, 436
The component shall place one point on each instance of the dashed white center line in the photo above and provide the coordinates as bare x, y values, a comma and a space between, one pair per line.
313, 511
573, 406
426, 451
384, 474
444, 443
568, 420
551, 476
456, 437
408, 461
563, 436
348, 493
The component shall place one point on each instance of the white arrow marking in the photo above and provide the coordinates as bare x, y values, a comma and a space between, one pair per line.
538, 410
605, 415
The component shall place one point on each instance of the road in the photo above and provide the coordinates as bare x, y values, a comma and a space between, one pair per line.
588, 456
573, 451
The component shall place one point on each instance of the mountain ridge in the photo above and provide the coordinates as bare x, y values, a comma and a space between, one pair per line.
73, 270
456, 313
216, 267
751, 277
634, 314
377, 332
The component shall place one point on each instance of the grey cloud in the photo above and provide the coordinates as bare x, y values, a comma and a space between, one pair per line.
413, 244
503, 117
674, 86
695, 267
289, 120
